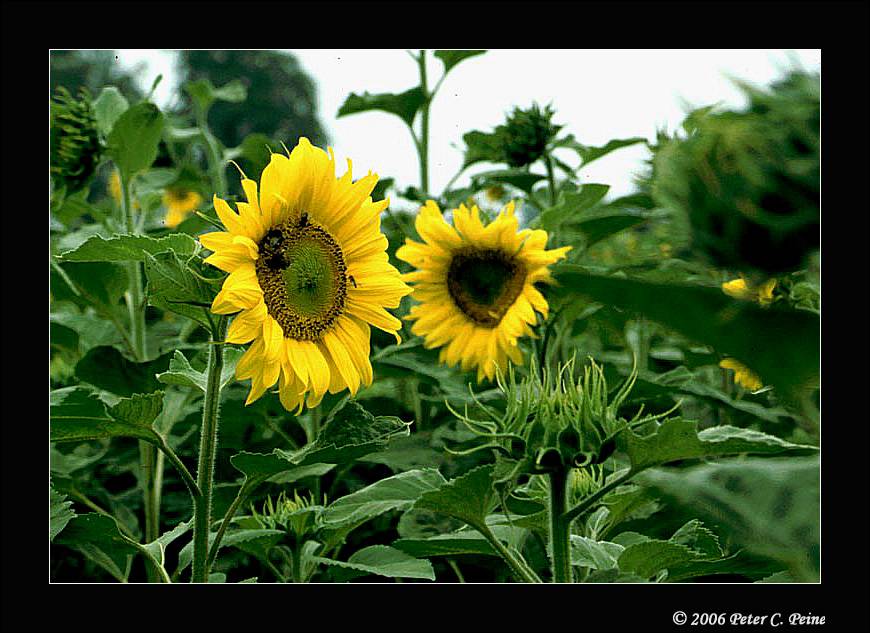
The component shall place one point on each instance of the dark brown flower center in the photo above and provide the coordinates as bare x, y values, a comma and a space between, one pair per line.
484, 283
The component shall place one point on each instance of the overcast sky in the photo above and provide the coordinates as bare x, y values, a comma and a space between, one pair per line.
598, 95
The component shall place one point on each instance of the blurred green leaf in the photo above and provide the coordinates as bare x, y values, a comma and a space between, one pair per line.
780, 345
106, 368
97, 537
108, 107
519, 178
770, 507
481, 147
572, 205
451, 58
264, 538
97, 284
404, 105
600, 228
204, 94
133, 142
587, 552
589, 153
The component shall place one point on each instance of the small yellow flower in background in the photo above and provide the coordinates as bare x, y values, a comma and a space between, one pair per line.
115, 186
666, 249
179, 204
308, 275
743, 376
475, 285
739, 289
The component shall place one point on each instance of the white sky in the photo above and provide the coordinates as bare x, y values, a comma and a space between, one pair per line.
598, 95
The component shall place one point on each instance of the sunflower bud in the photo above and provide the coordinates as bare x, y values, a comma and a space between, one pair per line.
748, 182
74, 140
298, 516
525, 134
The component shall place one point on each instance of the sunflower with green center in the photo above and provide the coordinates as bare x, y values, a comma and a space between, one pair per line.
308, 275
476, 285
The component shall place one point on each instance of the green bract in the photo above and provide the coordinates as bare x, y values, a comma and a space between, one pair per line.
75, 141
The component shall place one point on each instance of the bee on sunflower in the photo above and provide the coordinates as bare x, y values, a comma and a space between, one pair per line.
476, 285
291, 252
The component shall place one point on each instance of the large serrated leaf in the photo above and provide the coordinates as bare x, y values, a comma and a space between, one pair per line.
468, 498
650, 557
677, 439
127, 248
182, 374
382, 560
404, 105
174, 286
77, 415
398, 492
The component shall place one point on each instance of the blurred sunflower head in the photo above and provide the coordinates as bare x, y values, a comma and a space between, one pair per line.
308, 275
743, 376
179, 204
476, 285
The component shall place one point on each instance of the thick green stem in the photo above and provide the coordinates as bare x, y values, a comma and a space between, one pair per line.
423, 146
215, 162
207, 453
560, 528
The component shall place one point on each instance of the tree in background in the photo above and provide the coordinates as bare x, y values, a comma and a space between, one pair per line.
281, 102
93, 70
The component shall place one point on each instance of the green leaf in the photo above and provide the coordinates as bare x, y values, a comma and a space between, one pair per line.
519, 178
108, 107
404, 105
455, 544
99, 285
650, 557
204, 94
182, 374
602, 227
481, 147
587, 552
451, 58
780, 345
76, 415
127, 248
589, 153
233, 538
770, 507
97, 537
173, 286
135, 136
382, 560
398, 492
572, 204
468, 498
693, 534
678, 439
59, 511
348, 433
157, 548
106, 368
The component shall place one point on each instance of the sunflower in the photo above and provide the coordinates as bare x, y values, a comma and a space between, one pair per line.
476, 285
179, 204
308, 276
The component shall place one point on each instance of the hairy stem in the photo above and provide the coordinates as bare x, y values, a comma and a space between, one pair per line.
522, 572
560, 528
207, 452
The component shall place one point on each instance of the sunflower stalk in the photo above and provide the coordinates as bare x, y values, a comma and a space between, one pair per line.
560, 527
423, 145
207, 453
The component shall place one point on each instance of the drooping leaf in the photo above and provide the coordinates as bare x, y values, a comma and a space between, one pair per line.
450, 58
126, 248
780, 345
97, 537
382, 560
133, 142
108, 107
677, 439
404, 105
77, 415
182, 374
